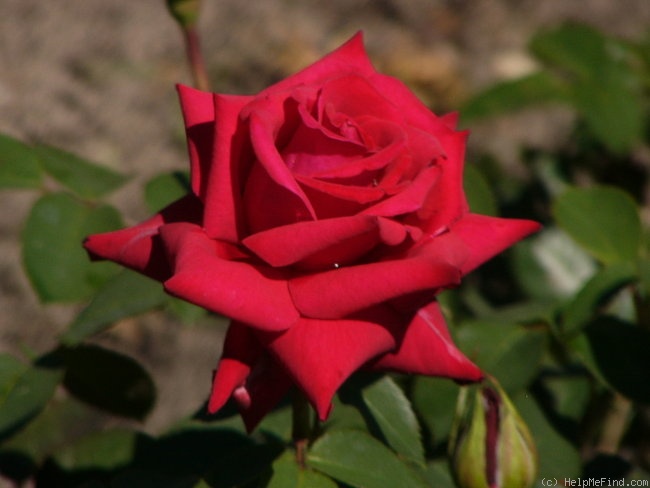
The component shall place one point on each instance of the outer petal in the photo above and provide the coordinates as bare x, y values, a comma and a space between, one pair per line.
198, 112
488, 236
320, 355
139, 247
351, 57
338, 293
204, 275
231, 159
241, 350
265, 387
246, 373
427, 348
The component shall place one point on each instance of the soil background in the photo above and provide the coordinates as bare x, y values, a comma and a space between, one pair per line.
97, 77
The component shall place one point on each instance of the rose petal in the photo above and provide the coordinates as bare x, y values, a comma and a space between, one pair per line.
414, 112
427, 348
246, 373
354, 96
311, 150
139, 247
372, 163
198, 112
488, 236
231, 160
338, 293
351, 57
334, 241
241, 350
203, 274
265, 387
320, 355
360, 194
272, 196
448, 203
411, 198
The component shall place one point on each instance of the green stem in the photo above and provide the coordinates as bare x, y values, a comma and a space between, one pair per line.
195, 57
301, 429
614, 424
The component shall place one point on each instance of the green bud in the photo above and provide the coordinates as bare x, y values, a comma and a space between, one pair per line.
186, 12
490, 445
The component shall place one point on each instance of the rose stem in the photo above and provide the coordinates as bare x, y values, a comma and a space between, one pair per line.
195, 57
300, 425
614, 424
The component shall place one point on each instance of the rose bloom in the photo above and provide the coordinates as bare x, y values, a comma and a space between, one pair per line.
325, 214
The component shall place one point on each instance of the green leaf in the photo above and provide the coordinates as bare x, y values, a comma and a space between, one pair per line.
570, 395
509, 352
577, 48
619, 353
514, 95
393, 413
551, 266
110, 381
105, 450
88, 180
127, 294
435, 402
165, 189
479, 195
603, 220
360, 460
603, 86
19, 166
287, 474
24, 391
579, 311
439, 476
56, 263
64, 420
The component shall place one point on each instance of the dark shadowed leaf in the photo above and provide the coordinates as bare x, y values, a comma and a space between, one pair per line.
244, 465
392, 411
24, 391
439, 476
88, 180
129, 293
19, 166
479, 195
603, 220
56, 263
619, 352
435, 402
105, 450
108, 380
360, 460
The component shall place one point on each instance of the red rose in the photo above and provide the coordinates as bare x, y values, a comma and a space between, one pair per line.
325, 214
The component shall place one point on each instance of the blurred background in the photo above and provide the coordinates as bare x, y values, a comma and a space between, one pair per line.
97, 78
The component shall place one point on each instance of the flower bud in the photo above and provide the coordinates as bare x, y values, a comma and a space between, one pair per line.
490, 445
186, 12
